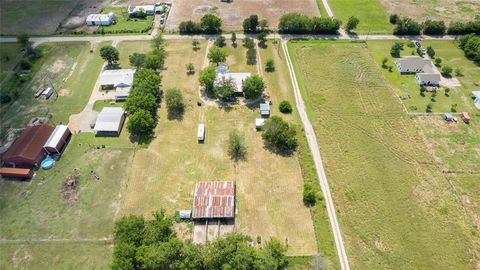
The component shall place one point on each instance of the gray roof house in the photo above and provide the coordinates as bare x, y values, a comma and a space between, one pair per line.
238, 77
109, 121
426, 74
120, 79
265, 109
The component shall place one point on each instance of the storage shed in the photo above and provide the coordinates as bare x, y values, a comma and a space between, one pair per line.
58, 140
259, 122
16, 173
214, 200
448, 117
265, 109
100, 19
27, 151
109, 121
47, 93
465, 117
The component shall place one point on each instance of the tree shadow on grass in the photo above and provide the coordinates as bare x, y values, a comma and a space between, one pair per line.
279, 150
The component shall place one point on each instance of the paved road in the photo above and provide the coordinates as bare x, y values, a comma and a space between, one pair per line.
317, 158
39, 40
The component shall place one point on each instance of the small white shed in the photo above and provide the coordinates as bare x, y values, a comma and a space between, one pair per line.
265, 109
476, 98
201, 132
100, 19
47, 93
259, 122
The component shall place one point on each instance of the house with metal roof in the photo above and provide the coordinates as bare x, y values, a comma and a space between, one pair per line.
476, 98
428, 78
265, 109
119, 79
238, 77
148, 9
27, 151
214, 200
100, 19
109, 121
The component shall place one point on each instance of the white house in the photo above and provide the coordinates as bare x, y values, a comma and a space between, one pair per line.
100, 19
237, 77
425, 73
109, 121
119, 79
476, 98
149, 9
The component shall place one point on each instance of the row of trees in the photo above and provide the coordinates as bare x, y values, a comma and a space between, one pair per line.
470, 44
152, 244
209, 24
407, 26
146, 94
294, 23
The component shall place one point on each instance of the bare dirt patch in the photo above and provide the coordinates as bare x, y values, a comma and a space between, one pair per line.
64, 92
58, 66
69, 189
234, 13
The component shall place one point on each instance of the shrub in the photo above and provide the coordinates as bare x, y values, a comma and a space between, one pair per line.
352, 23
236, 145
220, 41
447, 71
250, 24
211, 24
453, 108
270, 65
394, 18
251, 56
189, 27
462, 28
285, 107
429, 108
434, 27
407, 26
309, 195
438, 62
25, 64
190, 69
431, 52
207, 78
248, 43
174, 101
294, 23
458, 72
217, 55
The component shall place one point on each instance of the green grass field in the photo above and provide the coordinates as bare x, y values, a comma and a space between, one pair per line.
126, 23
127, 48
396, 209
10, 55
406, 85
372, 16
321, 8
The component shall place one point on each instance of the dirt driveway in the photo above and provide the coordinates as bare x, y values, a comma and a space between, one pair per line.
234, 13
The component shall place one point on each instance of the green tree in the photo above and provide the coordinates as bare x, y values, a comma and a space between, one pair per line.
129, 230
147, 81
141, 123
236, 145
285, 107
211, 24
263, 25
220, 41
248, 43
431, 52
158, 42
175, 105
270, 65
234, 38
137, 59
438, 62
159, 256
159, 229
262, 38
458, 72
250, 24
309, 195
225, 88
109, 54
195, 44
217, 55
252, 56
190, 69
352, 23
24, 39
207, 78
230, 252
139, 100
279, 135
447, 71
396, 48
124, 257
253, 87
384, 62
272, 256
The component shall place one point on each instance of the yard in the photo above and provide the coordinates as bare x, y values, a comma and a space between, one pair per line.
71, 69
372, 16
396, 209
164, 174
124, 23
42, 210
407, 88
233, 13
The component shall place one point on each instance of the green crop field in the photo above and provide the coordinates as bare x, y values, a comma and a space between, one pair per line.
406, 86
372, 16
396, 209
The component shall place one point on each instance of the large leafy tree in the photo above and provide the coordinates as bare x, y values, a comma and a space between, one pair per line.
141, 101
211, 24
225, 88
174, 101
147, 81
253, 87
279, 135
137, 59
352, 23
207, 78
141, 123
109, 54
250, 24
129, 230
236, 145
217, 55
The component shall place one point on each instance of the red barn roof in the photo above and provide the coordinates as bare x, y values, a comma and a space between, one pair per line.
214, 200
28, 148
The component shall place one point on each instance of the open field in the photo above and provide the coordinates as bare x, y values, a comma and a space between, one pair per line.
60, 255
127, 48
164, 175
446, 10
407, 87
10, 55
72, 70
233, 14
396, 209
372, 16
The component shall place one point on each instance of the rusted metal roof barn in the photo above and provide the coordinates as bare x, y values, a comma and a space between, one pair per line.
214, 200
27, 150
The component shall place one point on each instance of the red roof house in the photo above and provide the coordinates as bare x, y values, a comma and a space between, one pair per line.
214, 200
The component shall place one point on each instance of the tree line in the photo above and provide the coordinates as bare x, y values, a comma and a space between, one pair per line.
407, 26
295, 23
153, 244
470, 44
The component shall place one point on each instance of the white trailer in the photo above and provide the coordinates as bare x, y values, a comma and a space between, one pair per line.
201, 132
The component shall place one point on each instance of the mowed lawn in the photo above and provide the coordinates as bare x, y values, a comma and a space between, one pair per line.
407, 87
126, 23
37, 210
164, 174
396, 209
126, 48
372, 16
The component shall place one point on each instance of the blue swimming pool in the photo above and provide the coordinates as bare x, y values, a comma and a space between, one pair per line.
48, 163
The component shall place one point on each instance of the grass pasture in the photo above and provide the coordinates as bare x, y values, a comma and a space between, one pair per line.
372, 16
10, 55
125, 23
164, 174
127, 48
396, 209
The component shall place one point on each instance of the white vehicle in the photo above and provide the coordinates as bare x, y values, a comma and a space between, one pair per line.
201, 132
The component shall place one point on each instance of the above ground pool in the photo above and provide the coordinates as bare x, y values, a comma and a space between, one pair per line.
48, 163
